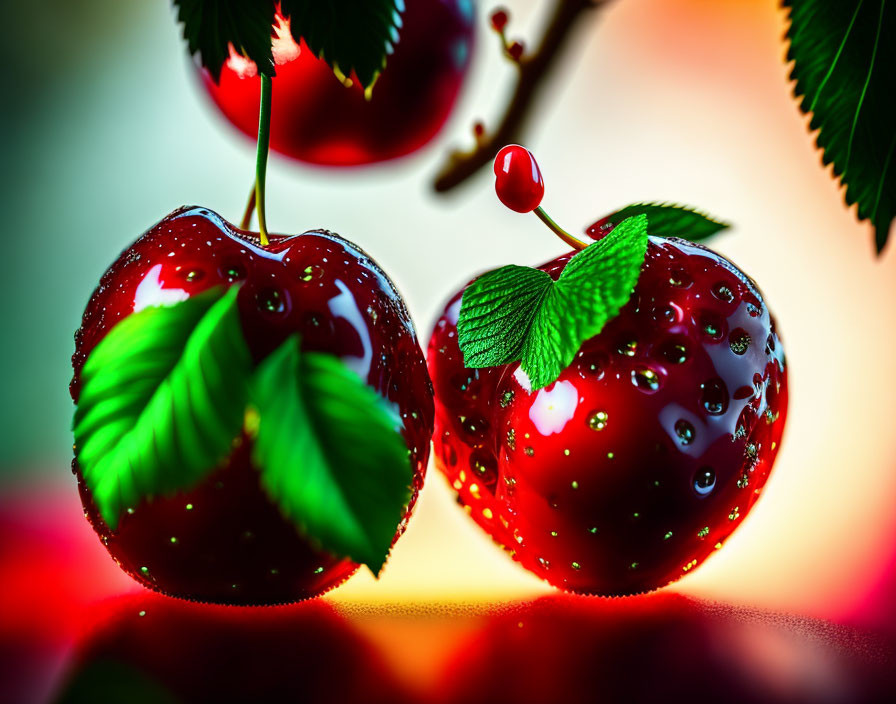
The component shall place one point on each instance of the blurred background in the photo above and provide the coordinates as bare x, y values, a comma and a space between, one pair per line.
106, 130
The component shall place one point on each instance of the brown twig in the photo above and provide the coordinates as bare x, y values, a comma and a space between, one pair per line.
533, 68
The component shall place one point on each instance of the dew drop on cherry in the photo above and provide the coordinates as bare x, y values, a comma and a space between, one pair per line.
233, 273
597, 421
270, 300
704, 480
685, 432
723, 292
739, 341
646, 379
714, 396
675, 351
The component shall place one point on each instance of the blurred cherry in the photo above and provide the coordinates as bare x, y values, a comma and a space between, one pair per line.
317, 120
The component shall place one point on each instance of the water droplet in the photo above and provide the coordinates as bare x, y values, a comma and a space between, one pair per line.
723, 293
680, 279
646, 379
704, 480
475, 426
270, 300
627, 347
714, 396
739, 341
233, 273
665, 314
484, 467
675, 351
712, 328
685, 432
598, 420
312, 272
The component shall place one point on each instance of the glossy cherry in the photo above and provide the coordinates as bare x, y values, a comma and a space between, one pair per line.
317, 120
518, 180
224, 541
649, 449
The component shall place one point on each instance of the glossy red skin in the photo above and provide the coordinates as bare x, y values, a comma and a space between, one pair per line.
525, 481
233, 545
518, 180
317, 120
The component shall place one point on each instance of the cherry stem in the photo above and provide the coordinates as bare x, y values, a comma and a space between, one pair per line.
261, 156
250, 208
534, 67
573, 242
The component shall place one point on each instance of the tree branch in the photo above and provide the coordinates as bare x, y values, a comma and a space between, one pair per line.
533, 68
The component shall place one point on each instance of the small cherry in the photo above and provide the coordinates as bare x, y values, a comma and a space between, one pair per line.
499, 18
518, 181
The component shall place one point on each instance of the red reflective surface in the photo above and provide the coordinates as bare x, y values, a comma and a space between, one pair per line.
74, 628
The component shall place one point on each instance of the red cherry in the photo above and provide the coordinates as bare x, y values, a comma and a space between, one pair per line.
316, 120
518, 181
224, 541
499, 19
646, 453
516, 50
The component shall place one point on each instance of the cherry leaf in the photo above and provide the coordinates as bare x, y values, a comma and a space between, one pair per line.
162, 399
330, 453
211, 27
515, 313
666, 220
353, 36
844, 66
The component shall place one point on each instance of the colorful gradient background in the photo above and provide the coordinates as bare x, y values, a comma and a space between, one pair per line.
105, 130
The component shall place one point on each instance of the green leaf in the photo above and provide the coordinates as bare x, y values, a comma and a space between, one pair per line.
350, 35
518, 313
668, 220
330, 453
212, 26
844, 65
163, 398
497, 312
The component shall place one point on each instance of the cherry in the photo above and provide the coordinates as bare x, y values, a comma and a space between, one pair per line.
650, 448
224, 541
499, 19
518, 181
318, 121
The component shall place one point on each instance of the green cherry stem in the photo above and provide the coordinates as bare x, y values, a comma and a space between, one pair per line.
573, 242
261, 156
